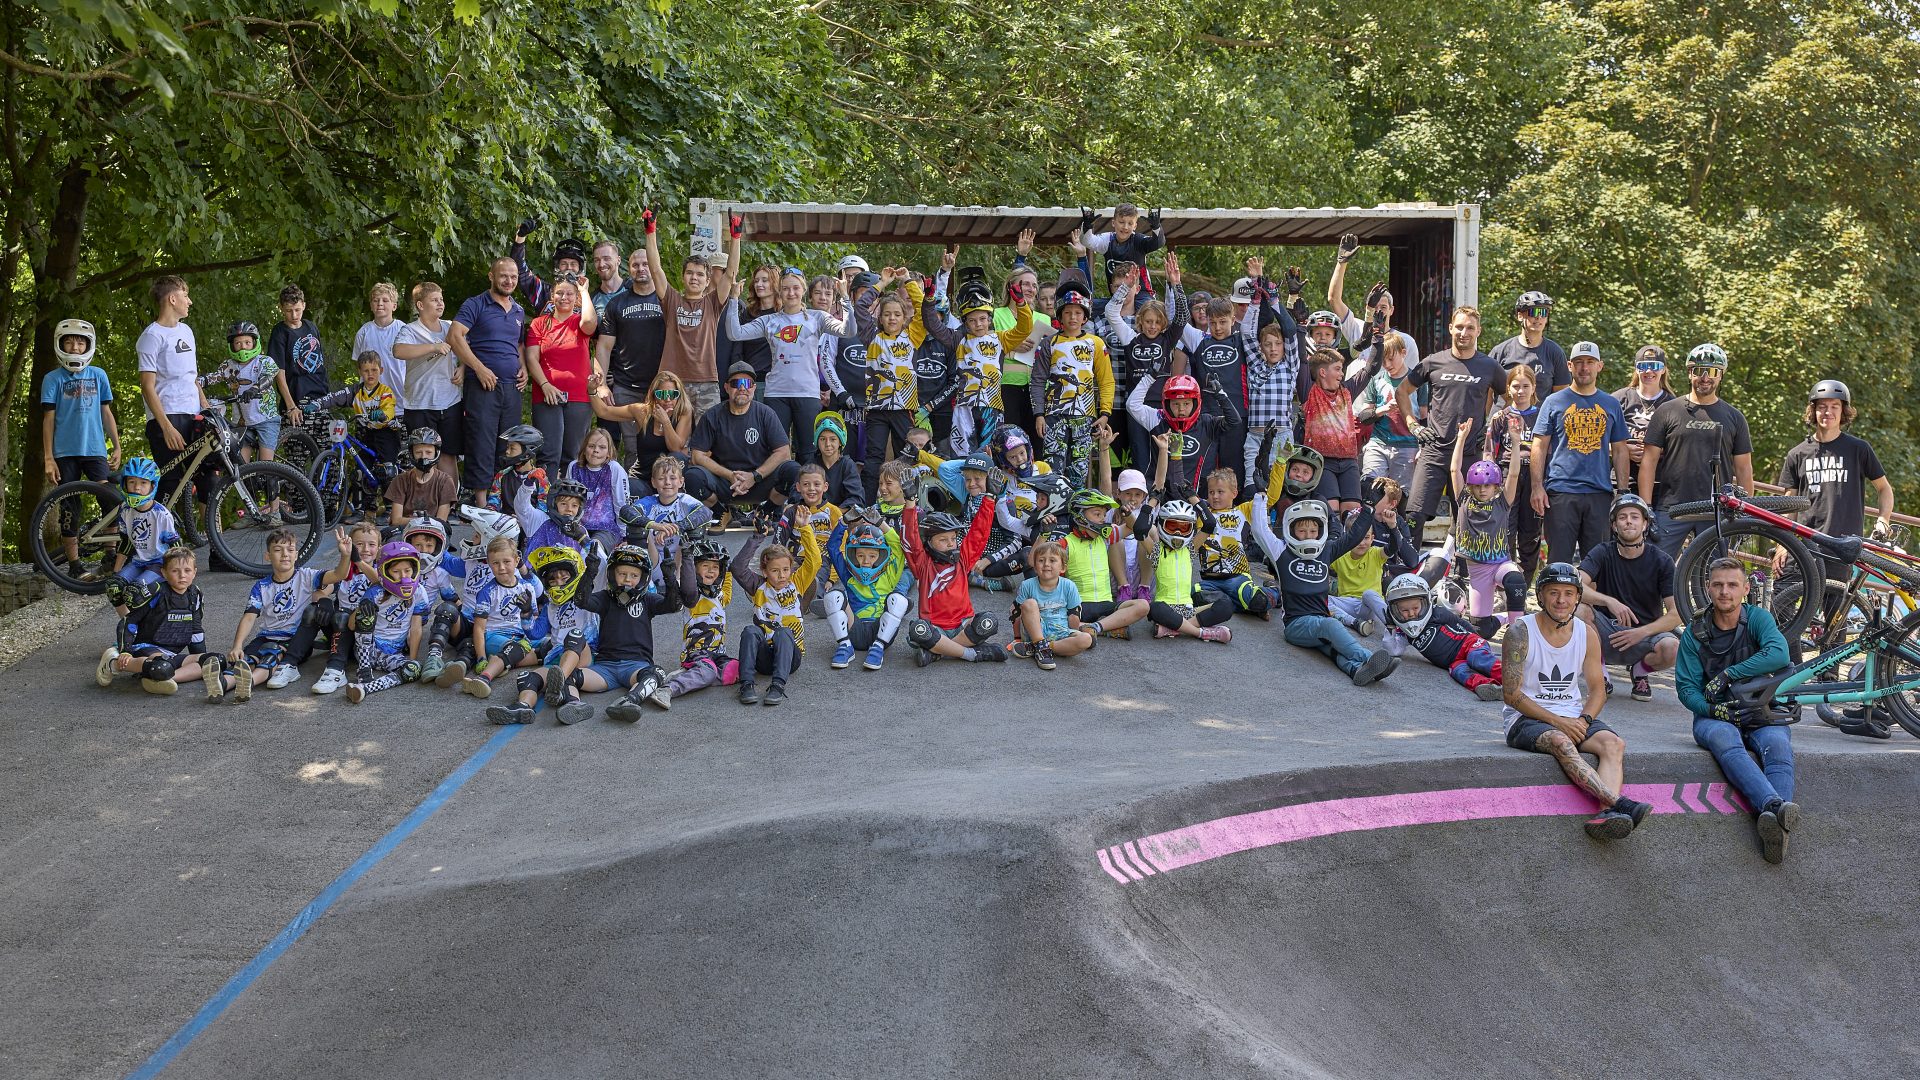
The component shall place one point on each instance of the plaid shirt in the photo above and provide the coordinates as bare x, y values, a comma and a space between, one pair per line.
1270, 380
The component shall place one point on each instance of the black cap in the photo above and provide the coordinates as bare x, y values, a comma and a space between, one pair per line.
1650, 352
741, 367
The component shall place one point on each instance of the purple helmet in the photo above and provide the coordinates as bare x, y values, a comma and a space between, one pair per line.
398, 568
1484, 472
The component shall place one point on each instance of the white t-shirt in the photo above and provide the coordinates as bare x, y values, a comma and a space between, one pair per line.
428, 383
169, 352
373, 336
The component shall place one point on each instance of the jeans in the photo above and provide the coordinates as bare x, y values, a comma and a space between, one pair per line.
1734, 750
1324, 633
565, 427
487, 414
797, 415
1672, 535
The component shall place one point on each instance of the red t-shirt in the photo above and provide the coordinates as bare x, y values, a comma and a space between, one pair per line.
565, 353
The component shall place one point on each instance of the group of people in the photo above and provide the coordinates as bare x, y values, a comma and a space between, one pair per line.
892, 443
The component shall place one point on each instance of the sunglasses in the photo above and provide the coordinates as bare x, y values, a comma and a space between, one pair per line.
667, 393
740, 382
1701, 369
1536, 312
794, 271
1649, 365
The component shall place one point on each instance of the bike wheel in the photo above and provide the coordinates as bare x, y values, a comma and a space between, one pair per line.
1899, 661
1751, 543
297, 448
1702, 510
94, 509
329, 479
244, 497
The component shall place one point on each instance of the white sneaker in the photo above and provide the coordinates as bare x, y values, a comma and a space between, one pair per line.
103, 674
1363, 628
284, 675
662, 697
330, 680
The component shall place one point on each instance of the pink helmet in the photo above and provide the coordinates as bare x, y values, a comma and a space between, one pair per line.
1484, 472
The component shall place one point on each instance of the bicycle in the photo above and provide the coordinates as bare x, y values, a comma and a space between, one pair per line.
347, 474
237, 494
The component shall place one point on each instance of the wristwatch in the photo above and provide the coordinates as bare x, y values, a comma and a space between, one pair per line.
1588, 718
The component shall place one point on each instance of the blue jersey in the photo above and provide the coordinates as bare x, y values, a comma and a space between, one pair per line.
279, 606
393, 618
353, 590
508, 609
556, 621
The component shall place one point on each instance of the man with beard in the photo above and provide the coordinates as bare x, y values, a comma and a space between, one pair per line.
1684, 440
1627, 585
1461, 382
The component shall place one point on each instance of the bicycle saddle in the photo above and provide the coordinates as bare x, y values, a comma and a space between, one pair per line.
1844, 548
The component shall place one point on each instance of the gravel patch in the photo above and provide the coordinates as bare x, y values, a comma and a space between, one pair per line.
43, 621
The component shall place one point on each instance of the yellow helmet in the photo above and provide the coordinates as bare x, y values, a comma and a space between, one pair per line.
547, 561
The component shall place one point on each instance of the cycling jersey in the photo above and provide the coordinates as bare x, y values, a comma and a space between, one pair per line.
393, 618
1076, 378
1223, 551
869, 601
795, 340
944, 600
145, 535
783, 607
977, 359
1305, 583
509, 608
279, 607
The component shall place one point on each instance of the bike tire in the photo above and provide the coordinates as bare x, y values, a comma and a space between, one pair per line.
1904, 707
1702, 510
1755, 539
46, 515
298, 448
1906, 574
244, 550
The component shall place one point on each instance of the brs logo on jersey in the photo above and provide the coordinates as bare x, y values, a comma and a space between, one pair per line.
1308, 570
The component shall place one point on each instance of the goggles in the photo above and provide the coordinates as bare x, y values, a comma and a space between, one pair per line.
667, 393
1536, 311
1177, 527
1649, 365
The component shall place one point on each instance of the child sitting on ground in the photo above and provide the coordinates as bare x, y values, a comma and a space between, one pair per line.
868, 609
706, 589
1096, 561
1483, 532
1440, 635
146, 537
333, 608
387, 623
1170, 561
275, 636
939, 558
1043, 606
775, 642
1303, 564
1224, 566
504, 609
162, 637
623, 655
1356, 599
568, 628
469, 572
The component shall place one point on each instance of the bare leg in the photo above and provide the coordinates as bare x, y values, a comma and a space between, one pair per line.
1582, 774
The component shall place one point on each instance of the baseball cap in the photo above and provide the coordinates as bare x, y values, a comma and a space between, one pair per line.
1243, 291
1131, 480
1585, 348
852, 262
741, 367
1649, 353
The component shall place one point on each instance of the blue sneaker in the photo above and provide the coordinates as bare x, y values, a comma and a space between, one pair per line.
843, 655
876, 656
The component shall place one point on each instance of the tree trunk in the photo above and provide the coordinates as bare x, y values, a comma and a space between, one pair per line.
54, 283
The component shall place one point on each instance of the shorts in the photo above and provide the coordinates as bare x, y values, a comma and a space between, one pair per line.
140, 573
1605, 624
265, 435
1526, 731
1340, 480
619, 673
500, 639
88, 468
280, 649
176, 655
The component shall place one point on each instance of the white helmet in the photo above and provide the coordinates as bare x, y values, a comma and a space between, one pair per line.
73, 328
852, 262
1177, 520
1410, 587
1305, 510
488, 525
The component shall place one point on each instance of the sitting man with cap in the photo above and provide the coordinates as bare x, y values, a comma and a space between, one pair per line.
742, 446
1627, 587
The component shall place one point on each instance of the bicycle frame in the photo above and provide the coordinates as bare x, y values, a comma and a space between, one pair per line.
1872, 643
1742, 508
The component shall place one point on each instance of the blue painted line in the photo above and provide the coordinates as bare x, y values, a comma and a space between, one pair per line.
310, 914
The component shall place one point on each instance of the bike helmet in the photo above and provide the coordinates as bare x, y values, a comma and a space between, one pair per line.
140, 468
488, 526
635, 556
398, 568
1178, 387
1484, 472
1305, 510
707, 549
548, 561
79, 328
1177, 521
426, 525
1072, 296
1626, 500
1532, 298
423, 436
1082, 501
564, 488
1005, 438
530, 441
972, 291
1830, 390
1410, 587
1052, 486
1556, 573
850, 262
1323, 318
570, 248
1303, 489
244, 328
1707, 355
867, 537
932, 525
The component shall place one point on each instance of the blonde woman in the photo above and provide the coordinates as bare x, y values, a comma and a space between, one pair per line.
664, 421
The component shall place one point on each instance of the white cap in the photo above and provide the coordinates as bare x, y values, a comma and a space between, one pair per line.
852, 262
1243, 291
1131, 480
1585, 348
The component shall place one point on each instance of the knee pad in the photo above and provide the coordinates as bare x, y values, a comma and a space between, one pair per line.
834, 600
1514, 584
1254, 598
982, 627
534, 679
116, 590
921, 634
319, 614
409, 672
513, 652
575, 642
897, 604
158, 668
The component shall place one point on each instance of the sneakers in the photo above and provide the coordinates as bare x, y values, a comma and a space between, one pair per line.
922, 657
330, 680
573, 712
242, 681
776, 693
284, 675
1374, 668
842, 655
162, 687
627, 709
555, 688
1488, 691
1364, 628
1634, 809
210, 677
978, 580
1609, 825
451, 674
1642, 688
876, 656
749, 692
1043, 656
662, 697
1161, 633
103, 672
434, 664
357, 686
1773, 824
991, 653
1020, 649
479, 686
515, 713
1125, 633
1220, 634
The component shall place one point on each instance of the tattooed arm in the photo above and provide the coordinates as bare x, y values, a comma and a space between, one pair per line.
1563, 742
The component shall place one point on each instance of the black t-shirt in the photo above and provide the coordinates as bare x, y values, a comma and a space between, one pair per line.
638, 326
1689, 437
741, 442
1220, 358
297, 350
1638, 411
1835, 476
1457, 391
1143, 357
932, 370
1643, 584
1547, 359
1131, 250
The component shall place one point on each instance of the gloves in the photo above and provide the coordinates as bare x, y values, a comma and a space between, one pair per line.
736, 225
1086, 219
1426, 436
527, 227
1294, 281
1214, 387
1740, 715
1299, 309
1715, 688
921, 419
1376, 489
646, 218
1153, 220
1349, 243
576, 529
1374, 294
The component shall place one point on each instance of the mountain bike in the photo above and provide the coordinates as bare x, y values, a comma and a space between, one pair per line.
216, 499
347, 474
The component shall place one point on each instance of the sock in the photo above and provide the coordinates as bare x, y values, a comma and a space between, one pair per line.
1639, 668
1093, 628
969, 655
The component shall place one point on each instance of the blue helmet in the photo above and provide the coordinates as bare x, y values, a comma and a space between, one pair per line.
868, 537
141, 468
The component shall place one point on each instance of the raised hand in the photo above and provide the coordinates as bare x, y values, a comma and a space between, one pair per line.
1349, 243
1256, 266
1024, 245
647, 219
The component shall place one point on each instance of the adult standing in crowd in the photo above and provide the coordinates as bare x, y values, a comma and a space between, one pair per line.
569, 259
1685, 439
169, 363
1379, 315
1581, 437
693, 314
1833, 468
1647, 391
606, 267
743, 448
1532, 347
633, 334
1461, 382
433, 376
486, 336
558, 362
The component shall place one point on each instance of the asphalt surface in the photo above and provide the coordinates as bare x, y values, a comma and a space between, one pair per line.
894, 875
